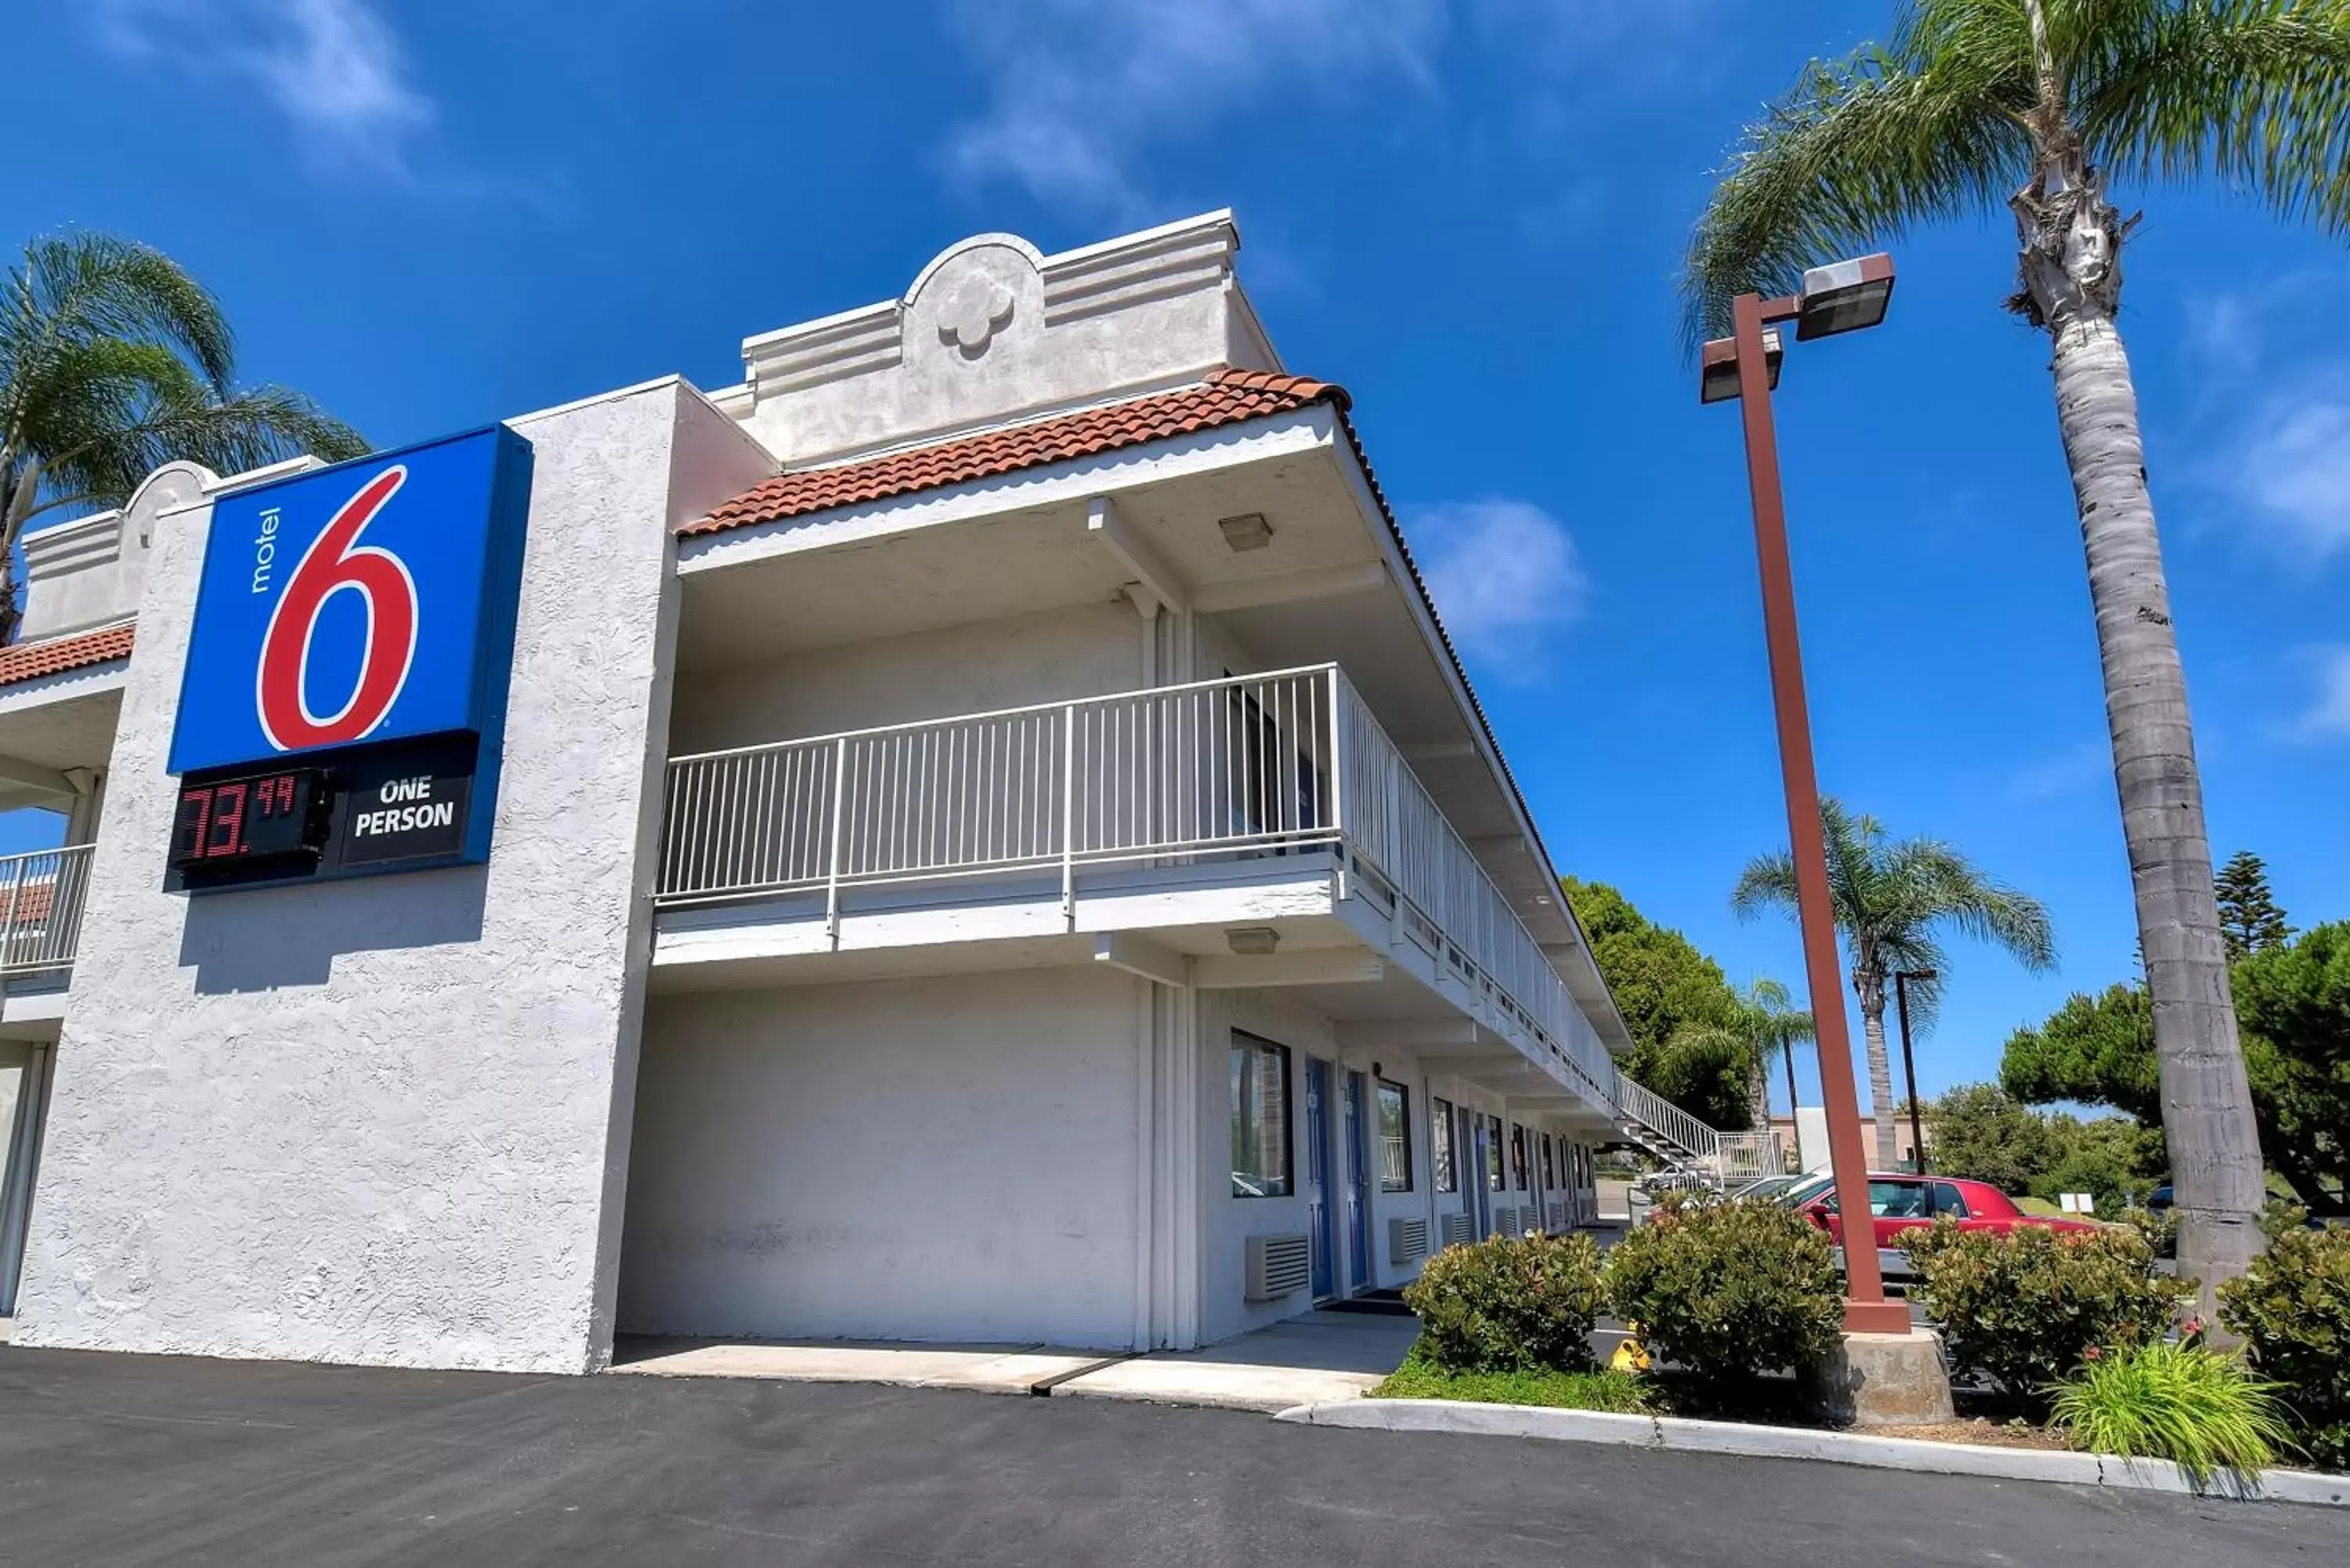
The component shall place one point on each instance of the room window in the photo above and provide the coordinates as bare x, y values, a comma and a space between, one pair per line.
1260, 1118
1518, 1155
1550, 1171
1395, 1137
1493, 1153
1439, 1145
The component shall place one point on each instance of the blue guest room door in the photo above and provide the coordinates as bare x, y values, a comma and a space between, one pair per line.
1358, 1181
1317, 1172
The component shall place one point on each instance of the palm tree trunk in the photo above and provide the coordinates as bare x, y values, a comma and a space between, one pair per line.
23, 482
2071, 244
1758, 1093
1880, 1068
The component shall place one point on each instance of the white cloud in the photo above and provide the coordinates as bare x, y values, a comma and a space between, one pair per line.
2293, 472
2328, 717
332, 67
1078, 88
1503, 573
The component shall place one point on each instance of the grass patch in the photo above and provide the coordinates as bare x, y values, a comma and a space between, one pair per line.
2199, 1410
2041, 1207
1618, 1392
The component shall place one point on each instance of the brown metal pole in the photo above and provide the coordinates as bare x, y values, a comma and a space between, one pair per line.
1909, 1069
1866, 1310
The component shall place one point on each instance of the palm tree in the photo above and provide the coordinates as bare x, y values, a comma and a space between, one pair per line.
114, 361
1976, 98
1777, 1026
1892, 898
1764, 1024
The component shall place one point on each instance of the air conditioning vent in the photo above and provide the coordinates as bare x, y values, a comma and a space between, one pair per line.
1558, 1217
1460, 1230
1505, 1221
1278, 1266
1406, 1239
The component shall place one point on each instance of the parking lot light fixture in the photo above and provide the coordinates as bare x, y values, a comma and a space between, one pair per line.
1846, 297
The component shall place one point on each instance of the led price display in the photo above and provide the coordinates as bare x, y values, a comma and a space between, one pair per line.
231, 822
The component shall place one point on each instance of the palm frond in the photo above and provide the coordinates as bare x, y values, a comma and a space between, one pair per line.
1859, 150
1767, 883
169, 421
1894, 899
2255, 91
76, 287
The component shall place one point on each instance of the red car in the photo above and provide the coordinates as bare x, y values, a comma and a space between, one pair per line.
1899, 1203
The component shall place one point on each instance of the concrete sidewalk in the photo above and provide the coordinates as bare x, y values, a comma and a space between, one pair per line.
1343, 1354
986, 1368
1306, 1360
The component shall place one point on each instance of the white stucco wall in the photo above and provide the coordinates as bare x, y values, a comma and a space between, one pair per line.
1080, 650
385, 1120
949, 1159
992, 330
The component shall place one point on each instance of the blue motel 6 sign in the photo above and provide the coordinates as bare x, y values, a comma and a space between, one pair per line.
367, 602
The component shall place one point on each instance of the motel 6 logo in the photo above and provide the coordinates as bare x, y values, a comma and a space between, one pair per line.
335, 563
371, 601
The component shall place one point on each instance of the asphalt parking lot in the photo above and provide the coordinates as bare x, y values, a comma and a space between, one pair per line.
117, 1460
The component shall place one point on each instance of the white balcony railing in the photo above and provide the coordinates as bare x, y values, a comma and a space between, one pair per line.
1251, 766
41, 896
1744, 1157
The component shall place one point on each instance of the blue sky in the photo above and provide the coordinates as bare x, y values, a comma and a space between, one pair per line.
430, 214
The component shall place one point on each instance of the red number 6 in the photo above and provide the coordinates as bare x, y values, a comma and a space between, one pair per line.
335, 561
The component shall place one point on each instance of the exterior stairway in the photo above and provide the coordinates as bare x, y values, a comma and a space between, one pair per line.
1685, 1147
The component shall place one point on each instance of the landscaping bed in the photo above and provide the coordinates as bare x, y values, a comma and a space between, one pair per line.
2057, 1341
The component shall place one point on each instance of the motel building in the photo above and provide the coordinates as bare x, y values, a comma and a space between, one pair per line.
974, 834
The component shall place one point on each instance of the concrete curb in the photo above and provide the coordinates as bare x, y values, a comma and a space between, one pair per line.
1796, 1443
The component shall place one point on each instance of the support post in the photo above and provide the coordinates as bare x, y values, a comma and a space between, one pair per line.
832, 866
1069, 814
1865, 1309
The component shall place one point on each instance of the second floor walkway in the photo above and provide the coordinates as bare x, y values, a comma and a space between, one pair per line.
1259, 829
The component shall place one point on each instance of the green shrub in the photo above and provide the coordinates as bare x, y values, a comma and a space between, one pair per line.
2163, 1400
1620, 1393
2293, 1309
2158, 1226
1509, 1305
2027, 1307
1728, 1289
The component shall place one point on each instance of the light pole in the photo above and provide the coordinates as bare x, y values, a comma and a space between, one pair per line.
1901, 978
1844, 298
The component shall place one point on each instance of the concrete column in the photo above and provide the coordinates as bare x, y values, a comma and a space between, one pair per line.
387, 1120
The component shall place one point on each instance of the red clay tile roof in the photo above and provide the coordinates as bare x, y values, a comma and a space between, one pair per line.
1226, 397
27, 904
55, 655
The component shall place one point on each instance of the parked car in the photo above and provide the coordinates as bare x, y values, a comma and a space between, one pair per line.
1767, 1188
1898, 1203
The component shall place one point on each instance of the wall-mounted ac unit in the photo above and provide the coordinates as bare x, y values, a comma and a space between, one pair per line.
1278, 1266
1406, 1239
1460, 1230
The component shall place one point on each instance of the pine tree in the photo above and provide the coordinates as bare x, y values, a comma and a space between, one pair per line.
2250, 921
